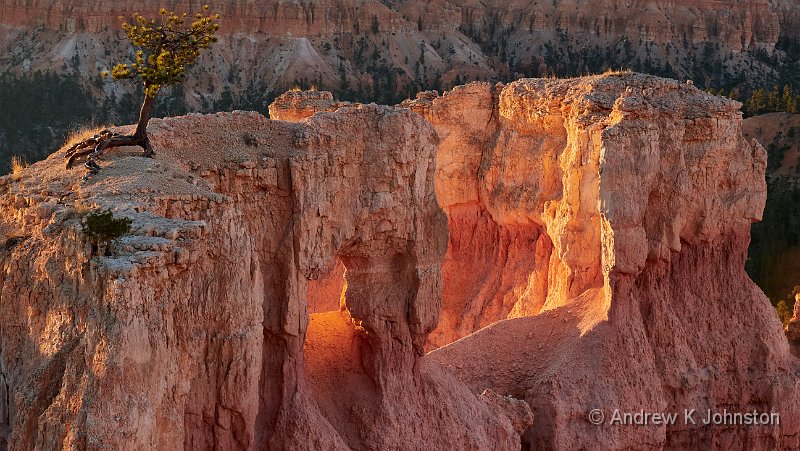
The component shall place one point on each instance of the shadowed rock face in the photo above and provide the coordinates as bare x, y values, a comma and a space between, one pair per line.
578, 244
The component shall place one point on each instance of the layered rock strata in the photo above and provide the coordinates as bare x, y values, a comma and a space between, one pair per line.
577, 244
618, 210
193, 331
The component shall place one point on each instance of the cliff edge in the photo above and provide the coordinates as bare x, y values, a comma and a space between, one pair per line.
558, 245
193, 331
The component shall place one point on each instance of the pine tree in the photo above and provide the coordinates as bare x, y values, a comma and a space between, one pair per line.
165, 47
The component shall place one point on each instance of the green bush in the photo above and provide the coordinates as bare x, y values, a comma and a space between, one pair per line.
102, 227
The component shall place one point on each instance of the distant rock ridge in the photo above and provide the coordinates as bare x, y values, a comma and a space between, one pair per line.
567, 245
383, 49
736, 25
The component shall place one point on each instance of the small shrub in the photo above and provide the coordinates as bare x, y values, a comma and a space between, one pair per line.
12, 241
249, 140
785, 312
18, 164
102, 227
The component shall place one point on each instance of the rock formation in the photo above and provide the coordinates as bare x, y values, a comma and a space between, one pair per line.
577, 244
194, 330
294, 106
619, 209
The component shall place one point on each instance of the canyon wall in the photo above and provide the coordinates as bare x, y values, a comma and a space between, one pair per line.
618, 210
194, 331
577, 244
387, 50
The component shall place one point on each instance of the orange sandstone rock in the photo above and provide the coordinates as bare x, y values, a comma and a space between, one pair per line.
597, 236
194, 332
793, 328
294, 106
626, 203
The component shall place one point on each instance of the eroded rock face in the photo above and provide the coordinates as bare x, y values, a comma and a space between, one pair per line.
598, 230
625, 204
294, 106
194, 331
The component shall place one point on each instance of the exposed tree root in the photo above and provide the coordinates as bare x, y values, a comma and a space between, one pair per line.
94, 147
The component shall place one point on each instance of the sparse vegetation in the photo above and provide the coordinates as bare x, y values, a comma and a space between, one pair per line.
101, 227
617, 72
18, 164
785, 307
81, 134
779, 99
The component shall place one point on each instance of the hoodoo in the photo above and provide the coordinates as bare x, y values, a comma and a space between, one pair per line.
561, 247
606, 220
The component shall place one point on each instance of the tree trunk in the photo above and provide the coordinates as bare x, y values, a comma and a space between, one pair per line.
93, 147
145, 112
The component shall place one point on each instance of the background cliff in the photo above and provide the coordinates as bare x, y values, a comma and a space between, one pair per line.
51, 52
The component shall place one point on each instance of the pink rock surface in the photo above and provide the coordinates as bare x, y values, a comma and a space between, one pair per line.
192, 332
598, 230
630, 200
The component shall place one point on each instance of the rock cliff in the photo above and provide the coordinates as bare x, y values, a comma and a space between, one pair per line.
613, 213
195, 331
384, 50
577, 244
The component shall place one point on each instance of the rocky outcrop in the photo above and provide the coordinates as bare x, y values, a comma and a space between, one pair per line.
577, 244
195, 331
294, 106
618, 209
